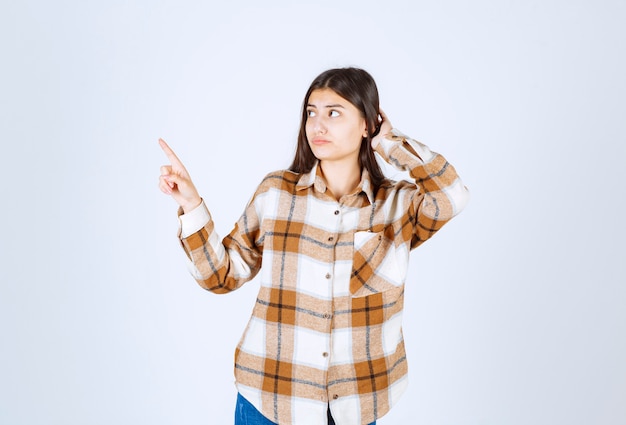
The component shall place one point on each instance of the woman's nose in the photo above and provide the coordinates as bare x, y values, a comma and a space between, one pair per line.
319, 126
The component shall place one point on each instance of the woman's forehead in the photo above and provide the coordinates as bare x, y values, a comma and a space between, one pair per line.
326, 97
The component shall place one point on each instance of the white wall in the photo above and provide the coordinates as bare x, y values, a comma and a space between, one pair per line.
514, 311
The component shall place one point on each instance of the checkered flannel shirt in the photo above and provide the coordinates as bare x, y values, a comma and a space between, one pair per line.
326, 326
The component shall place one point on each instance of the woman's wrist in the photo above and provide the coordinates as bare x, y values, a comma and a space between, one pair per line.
191, 205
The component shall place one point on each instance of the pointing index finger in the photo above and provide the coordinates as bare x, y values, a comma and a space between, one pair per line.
170, 153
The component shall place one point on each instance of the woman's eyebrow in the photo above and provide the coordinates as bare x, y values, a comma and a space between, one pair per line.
337, 105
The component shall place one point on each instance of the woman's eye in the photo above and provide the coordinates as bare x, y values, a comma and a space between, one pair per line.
334, 113
310, 113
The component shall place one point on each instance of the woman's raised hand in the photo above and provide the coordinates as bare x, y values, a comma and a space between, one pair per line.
175, 181
385, 128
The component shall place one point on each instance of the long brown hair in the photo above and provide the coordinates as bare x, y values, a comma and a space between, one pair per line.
357, 87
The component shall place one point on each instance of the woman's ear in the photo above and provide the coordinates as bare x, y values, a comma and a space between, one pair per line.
366, 131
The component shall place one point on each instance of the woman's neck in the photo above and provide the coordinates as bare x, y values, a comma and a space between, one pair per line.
341, 178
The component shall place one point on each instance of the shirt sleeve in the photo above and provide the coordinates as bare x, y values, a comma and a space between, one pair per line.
440, 194
221, 265
194, 220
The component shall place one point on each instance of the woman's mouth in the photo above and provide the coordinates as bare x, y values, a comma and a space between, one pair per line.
318, 141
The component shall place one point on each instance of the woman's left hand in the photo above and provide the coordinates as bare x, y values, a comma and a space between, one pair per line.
385, 128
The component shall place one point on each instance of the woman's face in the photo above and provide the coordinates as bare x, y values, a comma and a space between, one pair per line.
334, 127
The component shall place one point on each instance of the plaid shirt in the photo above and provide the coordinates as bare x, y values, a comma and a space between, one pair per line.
326, 326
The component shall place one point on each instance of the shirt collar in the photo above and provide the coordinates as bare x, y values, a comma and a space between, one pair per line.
314, 178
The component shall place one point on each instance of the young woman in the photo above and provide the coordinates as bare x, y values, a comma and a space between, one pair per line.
330, 240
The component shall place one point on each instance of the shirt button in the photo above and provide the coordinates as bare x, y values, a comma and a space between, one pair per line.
335, 397
327, 275
336, 212
325, 354
330, 239
326, 316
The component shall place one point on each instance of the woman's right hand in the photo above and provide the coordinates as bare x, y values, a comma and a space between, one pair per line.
175, 181
385, 129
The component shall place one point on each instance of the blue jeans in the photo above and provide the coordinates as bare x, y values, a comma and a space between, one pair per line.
247, 414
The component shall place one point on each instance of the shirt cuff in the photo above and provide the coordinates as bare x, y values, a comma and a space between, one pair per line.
194, 220
396, 137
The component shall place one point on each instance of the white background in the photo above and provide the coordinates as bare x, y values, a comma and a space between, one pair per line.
515, 311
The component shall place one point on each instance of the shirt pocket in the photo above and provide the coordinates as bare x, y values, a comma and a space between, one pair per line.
376, 263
